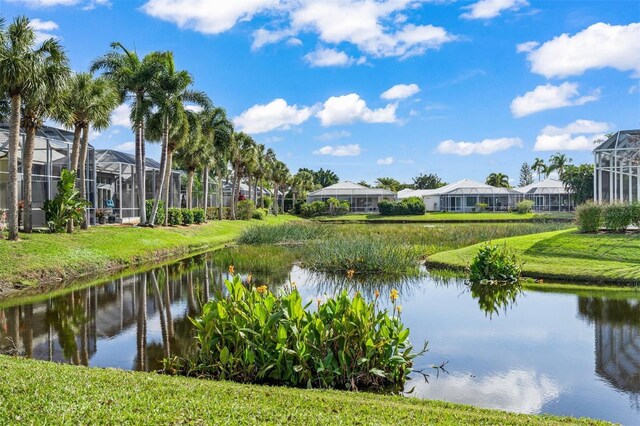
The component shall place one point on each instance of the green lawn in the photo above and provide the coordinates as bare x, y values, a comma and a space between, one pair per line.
38, 392
49, 259
566, 255
450, 217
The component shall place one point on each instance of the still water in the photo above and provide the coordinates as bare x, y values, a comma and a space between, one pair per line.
537, 352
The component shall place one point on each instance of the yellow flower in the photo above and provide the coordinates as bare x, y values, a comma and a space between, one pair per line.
399, 309
231, 269
350, 273
376, 294
293, 285
394, 295
249, 277
319, 302
262, 289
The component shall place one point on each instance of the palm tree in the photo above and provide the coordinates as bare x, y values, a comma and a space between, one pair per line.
558, 162
169, 93
259, 174
22, 70
539, 167
270, 164
498, 180
87, 103
216, 133
388, 183
192, 155
301, 183
134, 79
280, 176
39, 103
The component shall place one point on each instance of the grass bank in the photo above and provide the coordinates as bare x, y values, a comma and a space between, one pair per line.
451, 218
46, 259
565, 255
34, 392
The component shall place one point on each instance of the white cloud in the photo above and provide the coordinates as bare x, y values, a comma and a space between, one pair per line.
349, 108
576, 136
598, 46
120, 116
323, 57
43, 29
194, 108
400, 91
485, 147
487, 9
376, 27
276, 115
527, 46
206, 16
328, 136
293, 41
53, 3
339, 150
385, 161
126, 147
548, 96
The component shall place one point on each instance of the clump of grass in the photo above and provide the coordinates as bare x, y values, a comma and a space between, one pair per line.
361, 256
253, 259
286, 233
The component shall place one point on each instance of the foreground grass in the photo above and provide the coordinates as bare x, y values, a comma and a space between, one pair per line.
37, 392
566, 255
47, 259
452, 217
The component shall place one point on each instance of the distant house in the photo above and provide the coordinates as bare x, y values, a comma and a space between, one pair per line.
617, 168
361, 199
465, 195
548, 195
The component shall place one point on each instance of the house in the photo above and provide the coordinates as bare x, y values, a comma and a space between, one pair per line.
361, 199
466, 196
548, 195
617, 168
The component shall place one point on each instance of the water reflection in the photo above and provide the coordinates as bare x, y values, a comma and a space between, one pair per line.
539, 357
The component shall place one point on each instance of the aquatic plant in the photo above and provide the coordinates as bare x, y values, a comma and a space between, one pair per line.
251, 335
286, 233
495, 263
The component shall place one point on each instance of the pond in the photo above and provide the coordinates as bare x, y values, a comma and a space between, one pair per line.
538, 352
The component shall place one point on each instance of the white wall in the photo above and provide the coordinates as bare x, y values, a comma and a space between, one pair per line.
431, 203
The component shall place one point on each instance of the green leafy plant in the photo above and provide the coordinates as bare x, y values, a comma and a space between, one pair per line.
635, 214
617, 216
67, 205
589, 217
259, 214
3, 223
524, 206
159, 215
198, 216
174, 216
482, 207
408, 206
250, 335
495, 263
285, 233
187, 217
212, 213
245, 209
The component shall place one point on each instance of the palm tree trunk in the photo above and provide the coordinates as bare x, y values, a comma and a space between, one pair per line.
255, 192
14, 144
261, 195
284, 193
221, 195
75, 148
163, 165
140, 166
249, 184
234, 197
294, 193
205, 182
190, 174
82, 162
27, 166
274, 206
167, 184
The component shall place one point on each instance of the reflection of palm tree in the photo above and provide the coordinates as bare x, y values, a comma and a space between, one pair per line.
141, 324
161, 313
67, 318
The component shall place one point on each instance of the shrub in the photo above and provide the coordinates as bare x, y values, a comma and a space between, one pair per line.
245, 209
268, 201
212, 213
635, 214
316, 208
253, 336
297, 206
408, 206
198, 216
159, 215
482, 207
259, 214
495, 263
175, 216
188, 217
589, 217
67, 205
617, 216
524, 206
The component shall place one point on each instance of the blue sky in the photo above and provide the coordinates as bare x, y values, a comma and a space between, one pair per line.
383, 88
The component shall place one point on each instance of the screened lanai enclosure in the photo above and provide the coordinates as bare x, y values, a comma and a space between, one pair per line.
617, 168
361, 199
116, 188
548, 195
52, 154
